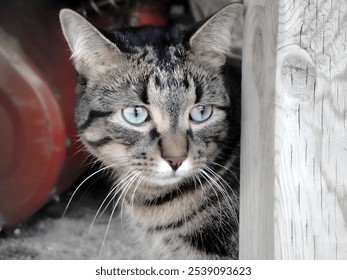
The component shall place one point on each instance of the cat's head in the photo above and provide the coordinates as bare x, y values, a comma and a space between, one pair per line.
160, 103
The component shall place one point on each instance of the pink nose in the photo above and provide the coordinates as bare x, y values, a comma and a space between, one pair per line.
175, 162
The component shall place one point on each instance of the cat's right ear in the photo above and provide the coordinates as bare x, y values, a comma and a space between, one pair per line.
90, 49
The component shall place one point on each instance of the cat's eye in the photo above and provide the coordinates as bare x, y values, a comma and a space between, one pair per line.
201, 113
136, 115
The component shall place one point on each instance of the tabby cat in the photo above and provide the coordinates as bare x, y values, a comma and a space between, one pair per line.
161, 107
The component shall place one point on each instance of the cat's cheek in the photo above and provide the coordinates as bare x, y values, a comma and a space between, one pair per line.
114, 153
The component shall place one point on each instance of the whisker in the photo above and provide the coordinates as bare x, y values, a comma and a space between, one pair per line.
78, 187
98, 214
91, 185
207, 177
228, 170
124, 190
116, 189
133, 195
223, 189
195, 202
107, 229
214, 173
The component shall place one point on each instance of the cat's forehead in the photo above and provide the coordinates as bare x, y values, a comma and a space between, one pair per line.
159, 58
166, 73
164, 76
171, 88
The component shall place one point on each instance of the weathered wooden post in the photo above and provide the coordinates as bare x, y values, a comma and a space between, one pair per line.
294, 130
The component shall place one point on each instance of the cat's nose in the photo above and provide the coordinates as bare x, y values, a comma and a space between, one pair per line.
175, 162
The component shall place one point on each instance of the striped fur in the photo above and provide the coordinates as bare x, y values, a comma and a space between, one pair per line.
187, 211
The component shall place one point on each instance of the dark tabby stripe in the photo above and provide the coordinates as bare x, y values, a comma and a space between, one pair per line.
207, 238
144, 92
224, 159
92, 116
153, 134
185, 219
100, 142
171, 195
198, 93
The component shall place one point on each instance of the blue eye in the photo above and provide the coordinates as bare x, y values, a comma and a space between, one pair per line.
201, 113
136, 115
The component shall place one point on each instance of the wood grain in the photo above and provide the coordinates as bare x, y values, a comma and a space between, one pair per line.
257, 143
307, 216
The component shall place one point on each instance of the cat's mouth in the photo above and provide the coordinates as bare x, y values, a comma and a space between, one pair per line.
165, 175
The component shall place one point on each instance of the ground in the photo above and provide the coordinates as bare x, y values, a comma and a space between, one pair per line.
48, 236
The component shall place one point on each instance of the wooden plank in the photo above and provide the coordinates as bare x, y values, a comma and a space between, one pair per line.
257, 143
307, 172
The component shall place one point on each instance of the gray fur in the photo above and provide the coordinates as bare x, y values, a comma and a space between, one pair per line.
190, 213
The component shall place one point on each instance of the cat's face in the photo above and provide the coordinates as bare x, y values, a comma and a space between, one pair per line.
149, 116
164, 117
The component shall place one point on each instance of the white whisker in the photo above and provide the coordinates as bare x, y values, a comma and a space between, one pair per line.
73, 194
133, 195
127, 188
228, 170
221, 178
98, 214
223, 187
107, 229
124, 191
208, 178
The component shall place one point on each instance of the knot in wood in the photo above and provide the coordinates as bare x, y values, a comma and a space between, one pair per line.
298, 74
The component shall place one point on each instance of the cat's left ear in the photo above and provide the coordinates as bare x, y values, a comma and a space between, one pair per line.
91, 50
220, 36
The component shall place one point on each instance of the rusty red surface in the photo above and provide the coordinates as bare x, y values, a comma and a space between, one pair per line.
149, 14
39, 149
40, 155
32, 145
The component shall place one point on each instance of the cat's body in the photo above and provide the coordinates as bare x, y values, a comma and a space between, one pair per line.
162, 108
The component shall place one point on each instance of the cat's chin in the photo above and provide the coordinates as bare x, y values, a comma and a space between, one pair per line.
162, 181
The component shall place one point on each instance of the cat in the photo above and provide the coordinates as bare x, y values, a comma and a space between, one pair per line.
161, 108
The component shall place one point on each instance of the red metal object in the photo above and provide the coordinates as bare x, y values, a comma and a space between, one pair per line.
39, 152
39, 155
32, 143
149, 14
